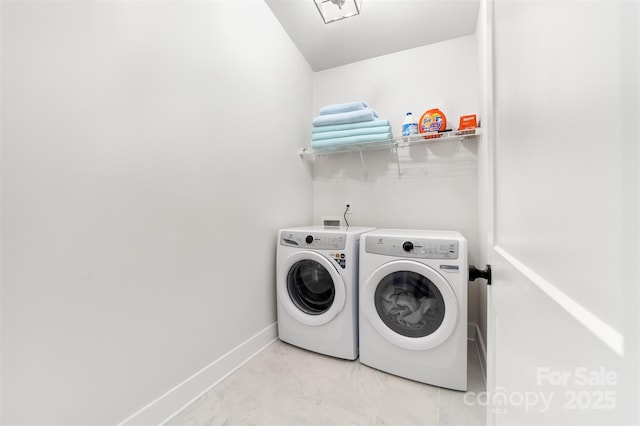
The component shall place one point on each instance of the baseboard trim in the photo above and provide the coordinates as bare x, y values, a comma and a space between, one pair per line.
482, 352
170, 404
473, 333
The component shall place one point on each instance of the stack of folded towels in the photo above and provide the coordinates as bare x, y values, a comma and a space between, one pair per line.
348, 123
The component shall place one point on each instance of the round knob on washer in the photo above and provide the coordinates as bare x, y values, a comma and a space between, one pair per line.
309, 239
407, 246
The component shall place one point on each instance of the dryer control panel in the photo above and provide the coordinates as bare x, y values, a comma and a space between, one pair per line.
419, 248
321, 241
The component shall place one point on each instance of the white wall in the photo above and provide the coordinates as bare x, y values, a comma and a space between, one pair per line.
145, 147
438, 185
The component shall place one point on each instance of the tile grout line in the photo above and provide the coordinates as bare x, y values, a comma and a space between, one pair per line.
438, 408
384, 393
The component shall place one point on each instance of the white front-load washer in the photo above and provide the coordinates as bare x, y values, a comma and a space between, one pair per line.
413, 305
317, 288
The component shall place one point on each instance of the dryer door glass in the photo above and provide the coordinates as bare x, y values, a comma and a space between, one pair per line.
409, 303
310, 287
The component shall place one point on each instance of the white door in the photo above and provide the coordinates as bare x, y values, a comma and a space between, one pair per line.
562, 216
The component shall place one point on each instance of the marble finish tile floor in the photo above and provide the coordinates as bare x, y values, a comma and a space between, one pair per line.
286, 385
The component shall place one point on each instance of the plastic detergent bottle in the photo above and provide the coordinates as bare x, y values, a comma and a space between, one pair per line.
409, 126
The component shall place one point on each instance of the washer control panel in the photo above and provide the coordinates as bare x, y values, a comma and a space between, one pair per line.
420, 248
321, 241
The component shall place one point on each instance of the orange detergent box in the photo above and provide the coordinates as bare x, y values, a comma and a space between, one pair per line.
432, 122
468, 122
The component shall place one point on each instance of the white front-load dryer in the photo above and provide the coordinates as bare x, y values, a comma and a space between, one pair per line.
317, 288
413, 305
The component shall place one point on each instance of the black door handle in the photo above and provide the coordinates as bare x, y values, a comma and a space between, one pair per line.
480, 273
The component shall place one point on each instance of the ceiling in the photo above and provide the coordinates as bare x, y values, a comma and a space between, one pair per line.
383, 27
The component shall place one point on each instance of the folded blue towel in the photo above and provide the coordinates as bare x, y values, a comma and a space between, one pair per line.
335, 142
350, 126
352, 132
346, 107
366, 114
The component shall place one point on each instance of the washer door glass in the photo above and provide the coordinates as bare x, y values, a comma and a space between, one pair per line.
409, 304
311, 287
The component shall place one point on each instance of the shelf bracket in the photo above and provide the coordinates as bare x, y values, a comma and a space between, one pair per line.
395, 150
364, 169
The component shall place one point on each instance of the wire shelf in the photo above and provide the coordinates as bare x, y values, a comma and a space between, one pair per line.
399, 142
